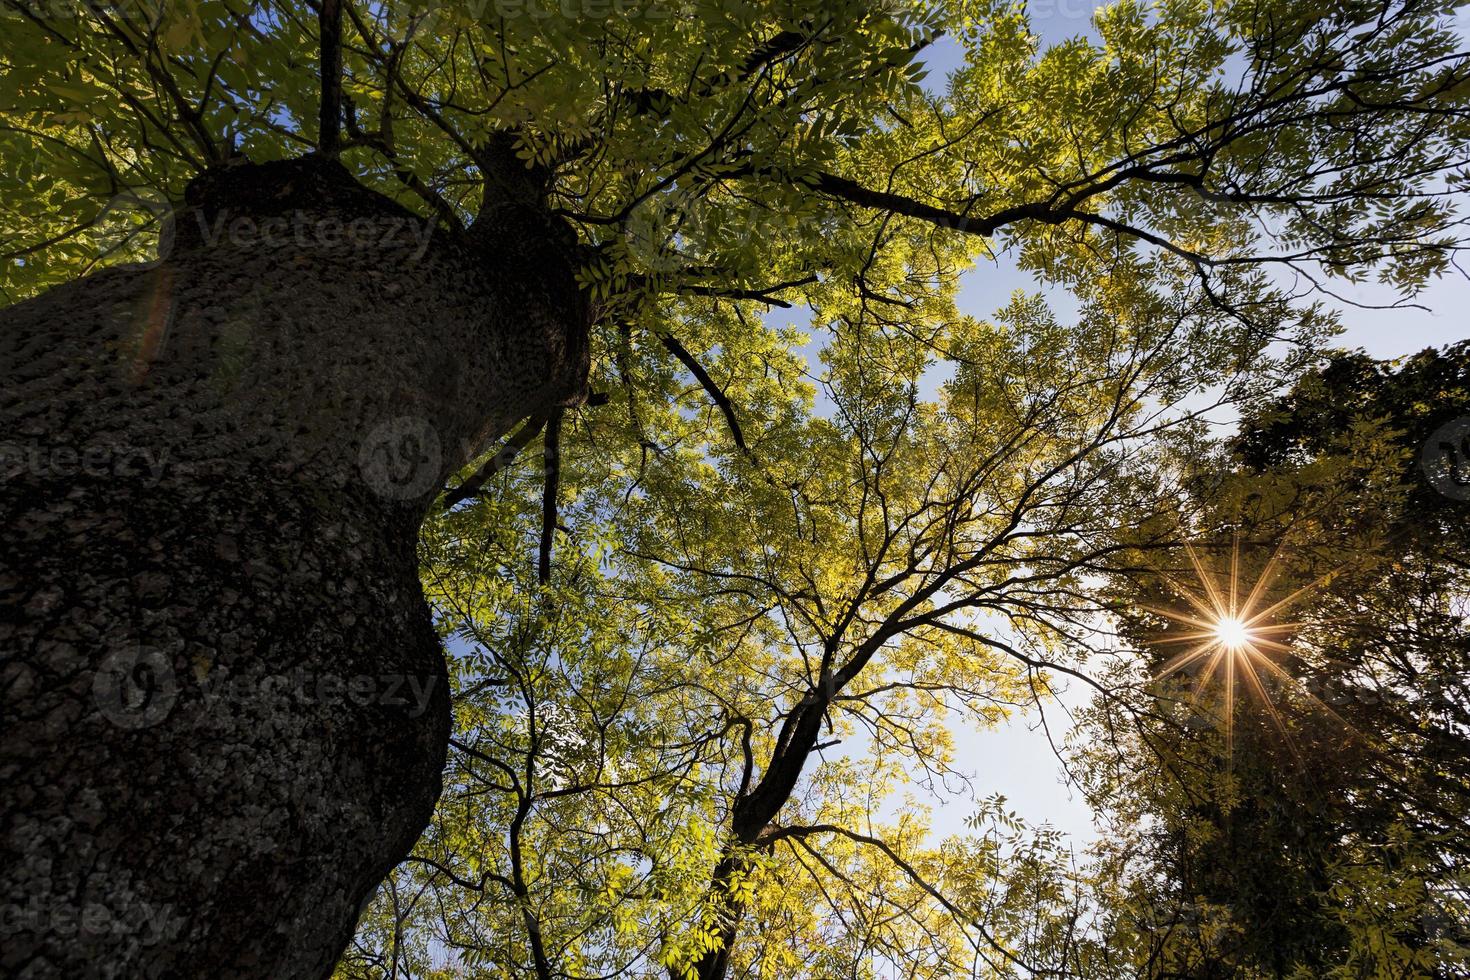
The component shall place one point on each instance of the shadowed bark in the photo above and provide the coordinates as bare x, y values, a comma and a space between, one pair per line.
225, 710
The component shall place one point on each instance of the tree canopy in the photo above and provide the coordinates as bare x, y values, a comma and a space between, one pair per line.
1313, 827
707, 656
720, 147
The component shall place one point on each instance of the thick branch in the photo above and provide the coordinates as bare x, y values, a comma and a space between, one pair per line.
850, 190
502, 458
548, 494
329, 127
715, 392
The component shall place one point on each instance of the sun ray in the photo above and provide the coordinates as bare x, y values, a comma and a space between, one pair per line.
1311, 698
1262, 695
1202, 636
1202, 606
1272, 645
1204, 681
1183, 660
1263, 581
1212, 591
1205, 625
1235, 640
1232, 611
1292, 597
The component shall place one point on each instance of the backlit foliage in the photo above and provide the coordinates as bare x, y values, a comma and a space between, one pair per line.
818, 517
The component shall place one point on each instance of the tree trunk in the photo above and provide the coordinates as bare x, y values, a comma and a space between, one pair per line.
752, 815
715, 963
225, 709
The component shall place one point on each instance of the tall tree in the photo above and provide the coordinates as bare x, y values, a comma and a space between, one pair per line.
394, 232
1323, 836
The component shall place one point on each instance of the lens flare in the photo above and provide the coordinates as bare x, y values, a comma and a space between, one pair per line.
1233, 637
1232, 633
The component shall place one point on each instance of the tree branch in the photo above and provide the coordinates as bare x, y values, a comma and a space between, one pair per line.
329, 126
800, 833
761, 295
716, 394
502, 458
549, 492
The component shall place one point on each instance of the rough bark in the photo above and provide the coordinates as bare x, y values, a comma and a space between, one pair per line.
225, 710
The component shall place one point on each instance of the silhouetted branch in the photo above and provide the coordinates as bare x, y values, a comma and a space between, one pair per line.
502, 458
549, 492
715, 392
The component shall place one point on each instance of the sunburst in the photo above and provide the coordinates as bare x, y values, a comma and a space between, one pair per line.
1233, 636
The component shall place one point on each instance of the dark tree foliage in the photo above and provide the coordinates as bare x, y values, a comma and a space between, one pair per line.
1313, 821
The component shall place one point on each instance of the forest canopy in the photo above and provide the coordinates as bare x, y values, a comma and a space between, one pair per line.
714, 623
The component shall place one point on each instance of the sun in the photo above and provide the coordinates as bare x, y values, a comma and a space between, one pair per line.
1232, 633
1232, 637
